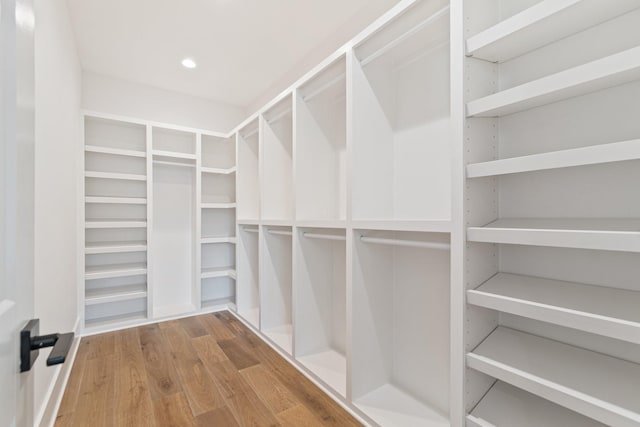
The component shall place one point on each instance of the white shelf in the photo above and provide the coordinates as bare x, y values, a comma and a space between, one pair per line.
390, 406
330, 366
111, 175
597, 154
590, 383
116, 321
115, 224
218, 171
115, 294
598, 234
115, 151
605, 311
210, 240
545, 22
218, 205
173, 310
508, 406
282, 336
118, 270
433, 226
116, 200
114, 247
173, 154
220, 303
210, 273
613, 70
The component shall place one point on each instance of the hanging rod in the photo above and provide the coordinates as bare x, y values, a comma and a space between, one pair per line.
323, 236
250, 230
408, 243
279, 232
280, 115
324, 87
402, 37
168, 163
250, 133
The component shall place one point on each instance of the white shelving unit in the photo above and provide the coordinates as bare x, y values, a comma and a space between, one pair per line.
248, 149
248, 289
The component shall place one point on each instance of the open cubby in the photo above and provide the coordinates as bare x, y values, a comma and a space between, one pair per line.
401, 281
218, 223
276, 285
320, 163
218, 188
104, 187
277, 166
173, 142
115, 211
102, 162
114, 134
217, 292
114, 313
218, 256
248, 272
248, 180
218, 153
320, 301
401, 119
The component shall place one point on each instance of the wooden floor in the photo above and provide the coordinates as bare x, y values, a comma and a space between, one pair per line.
208, 370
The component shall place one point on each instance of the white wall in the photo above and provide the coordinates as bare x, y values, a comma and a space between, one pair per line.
58, 79
107, 94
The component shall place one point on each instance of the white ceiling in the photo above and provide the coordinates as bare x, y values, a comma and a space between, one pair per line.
242, 47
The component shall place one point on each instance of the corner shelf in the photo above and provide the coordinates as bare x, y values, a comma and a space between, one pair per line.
214, 240
218, 171
115, 294
599, 234
218, 205
606, 311
115, 200
112, 271
114, 247
556, 371
541, 24
115, 224
111, 175
210, 273
613, 70
173, 155
114, 151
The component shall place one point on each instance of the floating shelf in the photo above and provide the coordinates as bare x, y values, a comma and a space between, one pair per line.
120, 176
613, 70
505, 405
116, 224
111, 271
116, 200
173, 155
330, 366
598, 234
210, 240
596, 309
115, 151
114, 247
210, 273
541, 24
115, 294
218, 205
597, 154
219, 171
595, 385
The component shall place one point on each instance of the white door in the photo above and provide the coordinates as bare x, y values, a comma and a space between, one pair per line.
16, 205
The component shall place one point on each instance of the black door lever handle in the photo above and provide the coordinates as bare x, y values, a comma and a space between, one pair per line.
31, 343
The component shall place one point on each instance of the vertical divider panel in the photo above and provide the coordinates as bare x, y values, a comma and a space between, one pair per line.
197, 227
150, 286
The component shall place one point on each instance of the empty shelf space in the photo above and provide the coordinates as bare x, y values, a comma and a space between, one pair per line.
597, 154
115, 200
596, 309
115, 151
541, 24
508, 406
219, 171
579, 233
251, 315
330, 366
173, 155
118, 270
218, 205
282, 336
221, 303
590, 383
118, 320
112, 175
115, 294
613, 70
94, 248
213, 240
390, 406
209, 273
115, 224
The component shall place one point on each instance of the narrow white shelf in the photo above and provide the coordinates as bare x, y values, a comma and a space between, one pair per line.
282, 336
390, 406
111, 175
218, 171
114, 247
116, 200
218, 205
330, 366
596, 309
508, 406
115, 294
595, 385
115, 224
210, 273
545, 22
220, 303
174, 154
210, 240
98, 324
115, 151
613, 70
579, 233
117, 270
597, 154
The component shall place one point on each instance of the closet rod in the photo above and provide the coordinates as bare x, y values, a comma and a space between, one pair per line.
165, 162
279, 232
324, 87
250, 133
250, 230
408, 243
279, 116
402, 37
324, 236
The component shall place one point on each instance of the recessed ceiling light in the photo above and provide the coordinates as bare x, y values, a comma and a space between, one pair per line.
189, 63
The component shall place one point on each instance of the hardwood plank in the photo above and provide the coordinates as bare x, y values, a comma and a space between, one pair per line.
298, 416
99, 345
96, 402
237, 354
74, 384
275, 395
173, 411
193, 326
218, 417
168, 324
199, 389
161, 374
208, 350
217, 328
